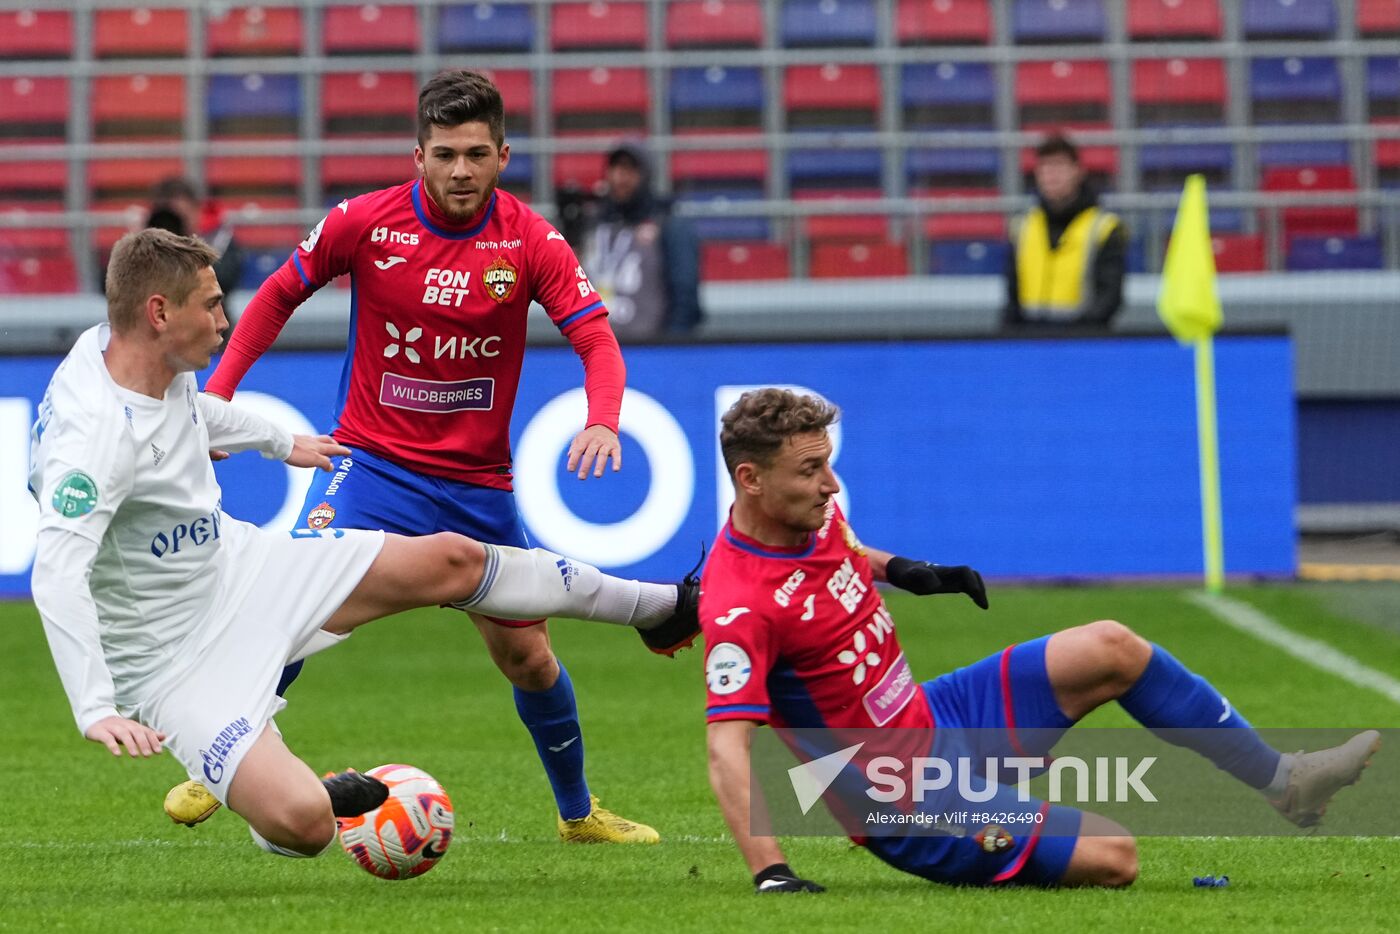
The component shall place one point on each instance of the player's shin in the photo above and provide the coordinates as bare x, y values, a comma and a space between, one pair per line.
529, 584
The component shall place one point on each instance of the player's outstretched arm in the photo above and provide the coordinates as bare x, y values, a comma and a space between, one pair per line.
925, 579
728, 742
117, 733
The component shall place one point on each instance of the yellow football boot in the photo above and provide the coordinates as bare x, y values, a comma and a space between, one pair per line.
190, 803
603, 826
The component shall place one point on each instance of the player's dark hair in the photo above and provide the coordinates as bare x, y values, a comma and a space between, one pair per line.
152, 262
1057, 144
755, 427
452, 98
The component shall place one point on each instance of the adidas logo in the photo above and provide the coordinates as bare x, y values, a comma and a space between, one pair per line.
158, 454
567, 571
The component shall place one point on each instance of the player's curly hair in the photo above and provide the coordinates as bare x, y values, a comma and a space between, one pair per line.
454, 97
755, 427
152, 262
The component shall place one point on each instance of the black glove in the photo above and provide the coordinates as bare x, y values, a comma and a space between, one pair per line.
779, 877
922, 578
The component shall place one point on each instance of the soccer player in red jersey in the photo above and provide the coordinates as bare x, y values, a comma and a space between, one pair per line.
442, 270
797, 636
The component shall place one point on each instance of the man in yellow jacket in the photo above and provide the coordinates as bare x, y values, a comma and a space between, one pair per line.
1068, 254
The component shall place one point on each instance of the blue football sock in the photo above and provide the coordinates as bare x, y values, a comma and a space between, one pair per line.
551, 716
289, 674
1169, 697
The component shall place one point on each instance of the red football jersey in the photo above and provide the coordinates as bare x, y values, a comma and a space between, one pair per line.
437, 323
801, 638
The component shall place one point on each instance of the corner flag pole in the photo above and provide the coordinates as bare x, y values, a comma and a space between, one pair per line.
1190, 307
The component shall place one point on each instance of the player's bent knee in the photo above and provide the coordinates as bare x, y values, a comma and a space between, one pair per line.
1123, 651
1109, 862
463, 560
304, 827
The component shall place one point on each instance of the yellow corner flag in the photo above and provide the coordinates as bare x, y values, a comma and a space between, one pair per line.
1190, 307
1188, 302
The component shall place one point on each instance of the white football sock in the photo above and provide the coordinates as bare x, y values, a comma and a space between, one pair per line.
270, 847
520, 584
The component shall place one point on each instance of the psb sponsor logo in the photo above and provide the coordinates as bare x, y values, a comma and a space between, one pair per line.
75, 495
320, 517
446, 286
197, 532
568, 571
385, 235
221, 746
727, 668
783, 595
392, 350
427, 395
500, 278
731, 616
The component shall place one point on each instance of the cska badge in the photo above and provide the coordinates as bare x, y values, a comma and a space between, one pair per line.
320, 517
500, 278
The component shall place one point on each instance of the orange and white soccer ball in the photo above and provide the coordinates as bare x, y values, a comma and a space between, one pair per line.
407, 834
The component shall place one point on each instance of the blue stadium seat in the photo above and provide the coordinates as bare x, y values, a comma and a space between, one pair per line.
940, 94
921, 164
1315, 253
968, 257
1312, 152
520, 170
486, 27
1058, 21
235, 99
716, 88
1187, 157
258, 265
828, 23
1383, 79
834, 168
1135, 256
1295, 79
728, 228
1303, 19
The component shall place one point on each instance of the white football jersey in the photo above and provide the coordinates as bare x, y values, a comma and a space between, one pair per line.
132, 475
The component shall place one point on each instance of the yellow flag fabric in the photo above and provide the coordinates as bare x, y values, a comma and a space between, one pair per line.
1188, 302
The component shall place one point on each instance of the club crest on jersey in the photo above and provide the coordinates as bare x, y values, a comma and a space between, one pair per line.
500, 278
849, 535
320, 517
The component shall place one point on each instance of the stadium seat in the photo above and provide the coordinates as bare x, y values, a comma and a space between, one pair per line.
1388, 156
743, 261
947, 94
831, 97
1051, 21
1164, 165
110, 179
843, 228
36, 34
486, 27
1158, 20
727, 227
369, 103
254, 105
138, 107
253, 30
1329, 220
717, 96
699, 169
252, 231
1304, 153
953, 168
1238, 252
33, 275
140, 33
18, 242
598, 25
370, 29
34, 181
245, 177
1289, 19
347, 176
519, 173
1295, 90
874, 260
833, 169
612, 100
827, 23
1174, 91
1378, 19
714, 24
943, 22
968, 257
1318, 253
1383, 86
1062, 91
258, 264
33, 109
517, 87
941, 224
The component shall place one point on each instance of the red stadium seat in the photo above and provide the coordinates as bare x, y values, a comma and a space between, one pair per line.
727, 165
744, 261
844, 228
598, 25
1179, 81
33, 275
578, 169
708, 24
346, 176
138, 107
35, 180
600, 99
1062, 83
1314, 221
141, 33
1238, 253
1388, 150
33, 109
1377, 18
831, 95
16, 242
119, 178
244, 212
245, 176
1174, 19
982, 225
859, 260
943, 22
353, 30
254, 30
369, 103
517, 87
31, 34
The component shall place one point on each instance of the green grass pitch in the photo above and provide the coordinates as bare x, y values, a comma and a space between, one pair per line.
84, 844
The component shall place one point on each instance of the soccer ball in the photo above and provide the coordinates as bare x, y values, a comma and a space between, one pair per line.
407, 834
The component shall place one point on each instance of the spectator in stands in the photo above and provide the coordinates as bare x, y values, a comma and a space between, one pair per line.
644, 261
1068, 255
176, 207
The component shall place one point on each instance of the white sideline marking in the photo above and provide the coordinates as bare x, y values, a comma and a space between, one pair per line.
1319, 654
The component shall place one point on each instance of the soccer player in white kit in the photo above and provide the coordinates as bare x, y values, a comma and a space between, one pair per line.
169, 621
